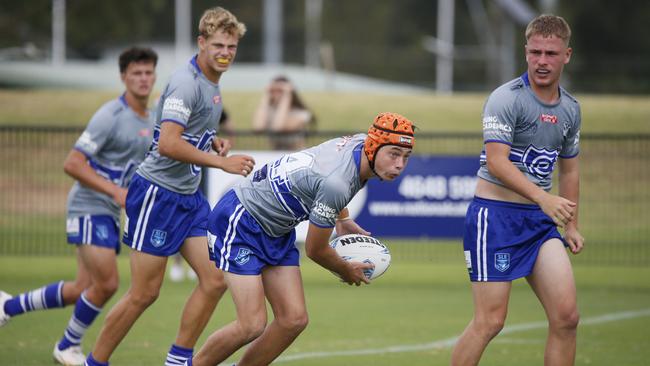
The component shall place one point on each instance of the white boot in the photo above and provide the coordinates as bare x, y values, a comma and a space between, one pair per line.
71, 356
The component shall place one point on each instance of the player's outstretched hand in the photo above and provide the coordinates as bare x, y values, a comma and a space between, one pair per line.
575, 240
559, 209
238, 164
221, 146
349, 226
355, 275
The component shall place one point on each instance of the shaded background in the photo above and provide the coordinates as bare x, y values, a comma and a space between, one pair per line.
380, 39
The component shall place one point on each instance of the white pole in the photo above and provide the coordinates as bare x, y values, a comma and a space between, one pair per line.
445, 60
313, 12
58, 32
272, 36
182, 30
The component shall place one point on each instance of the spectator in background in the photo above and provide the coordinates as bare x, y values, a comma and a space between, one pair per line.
282, 114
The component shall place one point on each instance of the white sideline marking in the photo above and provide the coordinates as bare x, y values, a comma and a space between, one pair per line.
449, 342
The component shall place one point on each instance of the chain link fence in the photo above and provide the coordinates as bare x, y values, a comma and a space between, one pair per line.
614, 215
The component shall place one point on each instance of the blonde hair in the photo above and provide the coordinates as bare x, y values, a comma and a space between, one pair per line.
220, 19
548, 25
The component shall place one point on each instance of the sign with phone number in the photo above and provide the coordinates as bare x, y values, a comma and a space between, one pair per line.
429, 199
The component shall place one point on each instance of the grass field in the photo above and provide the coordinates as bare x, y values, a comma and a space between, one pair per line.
408, 317
335, 111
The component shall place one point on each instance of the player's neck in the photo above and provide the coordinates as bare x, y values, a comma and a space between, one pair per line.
365, 171
209, 73
547, 94
137, 104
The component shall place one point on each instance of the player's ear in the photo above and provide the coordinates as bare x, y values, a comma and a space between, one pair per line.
200, 40
567, 55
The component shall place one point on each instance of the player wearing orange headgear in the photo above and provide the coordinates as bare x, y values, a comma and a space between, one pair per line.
252, 235
388, 129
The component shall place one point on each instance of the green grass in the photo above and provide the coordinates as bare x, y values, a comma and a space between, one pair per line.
414, 303
335, 111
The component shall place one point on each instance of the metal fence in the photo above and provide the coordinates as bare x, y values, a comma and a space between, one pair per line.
614, 215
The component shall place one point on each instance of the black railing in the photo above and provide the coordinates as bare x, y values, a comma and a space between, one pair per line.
614, 214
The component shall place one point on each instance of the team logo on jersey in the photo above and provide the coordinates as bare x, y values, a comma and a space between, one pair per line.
539, 162
144, 132
548, 118
158, 238
102, 232
216, 99
502, 261
243, 256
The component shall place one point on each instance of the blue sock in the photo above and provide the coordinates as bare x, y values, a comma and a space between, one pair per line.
83, 316
178, 355
90, 361
46, 297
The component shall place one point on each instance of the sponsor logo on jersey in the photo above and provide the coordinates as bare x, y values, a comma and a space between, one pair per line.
158, 238
501, 261
324, 210
243, 256
144, 132
548, 118
492, 123
86, 143
176, 105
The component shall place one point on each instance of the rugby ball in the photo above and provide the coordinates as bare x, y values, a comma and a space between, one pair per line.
366, 249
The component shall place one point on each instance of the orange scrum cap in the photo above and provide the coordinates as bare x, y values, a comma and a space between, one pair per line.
388, 129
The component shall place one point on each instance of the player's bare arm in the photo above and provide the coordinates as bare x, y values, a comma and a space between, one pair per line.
76, 165
221, 146
172, 145
346, 225
318, 249
560, 209
569, 181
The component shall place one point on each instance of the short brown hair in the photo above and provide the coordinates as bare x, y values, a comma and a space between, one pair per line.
220, 19
548, 25
137, 54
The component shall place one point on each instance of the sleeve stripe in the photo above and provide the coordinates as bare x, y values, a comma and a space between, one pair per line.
499, 141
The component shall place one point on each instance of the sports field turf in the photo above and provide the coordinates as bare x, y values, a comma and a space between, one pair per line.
408, 317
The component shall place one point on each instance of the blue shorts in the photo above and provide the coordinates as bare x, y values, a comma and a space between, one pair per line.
100, 230
158, 220
502, 239
239, 245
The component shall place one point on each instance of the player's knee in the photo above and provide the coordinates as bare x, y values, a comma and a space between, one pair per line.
294, 323
142, 299
215, 286
252, 327
568, 320
109, 288
490, 326
76, 288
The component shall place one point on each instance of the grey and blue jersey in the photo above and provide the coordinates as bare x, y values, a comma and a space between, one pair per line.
315, 184
115, 143
538, 133
194, 102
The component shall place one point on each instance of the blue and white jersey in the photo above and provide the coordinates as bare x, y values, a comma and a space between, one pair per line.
538, 133
194, 102
115, 142
315, 184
